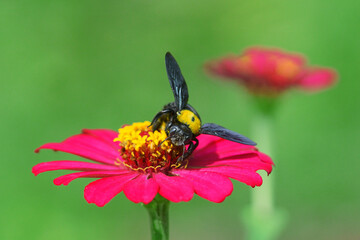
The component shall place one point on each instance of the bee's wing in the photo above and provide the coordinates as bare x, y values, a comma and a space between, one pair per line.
216, 130
177, 82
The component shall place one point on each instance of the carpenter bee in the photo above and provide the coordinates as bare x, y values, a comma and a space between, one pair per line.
181, 121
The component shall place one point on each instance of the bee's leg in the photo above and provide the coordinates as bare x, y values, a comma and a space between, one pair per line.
183, 155
180, 159
168, 126
191, 148
163, 141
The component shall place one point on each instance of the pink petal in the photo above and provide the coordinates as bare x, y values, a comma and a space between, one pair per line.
174, 188
265, 158
106, 135
141, 189
318, 79
199, 160
221, 148
248, 177
211, 186
206, 141
221, 152
227, 148
103, 190
253, 164
260, 64
70, 165
66, 179
87, 146
297, 58
225, 67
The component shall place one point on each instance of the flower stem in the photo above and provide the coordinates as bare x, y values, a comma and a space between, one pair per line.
262, 219
262, 198
159, 218
263, 131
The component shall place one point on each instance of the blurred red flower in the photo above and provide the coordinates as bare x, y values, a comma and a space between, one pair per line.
269, 72
141, 167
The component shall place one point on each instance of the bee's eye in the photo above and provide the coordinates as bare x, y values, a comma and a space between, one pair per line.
193, 119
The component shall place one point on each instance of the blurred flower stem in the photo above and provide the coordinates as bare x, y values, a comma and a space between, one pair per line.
263, 131
263, 221
159, 218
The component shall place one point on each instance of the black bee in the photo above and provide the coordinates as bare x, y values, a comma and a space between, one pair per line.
181, 121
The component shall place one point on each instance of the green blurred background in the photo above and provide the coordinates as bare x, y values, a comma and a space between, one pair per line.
68, 65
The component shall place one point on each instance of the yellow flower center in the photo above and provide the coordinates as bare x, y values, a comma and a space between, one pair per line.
287, 68
145, 150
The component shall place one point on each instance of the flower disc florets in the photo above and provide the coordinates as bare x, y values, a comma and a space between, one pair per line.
145, 150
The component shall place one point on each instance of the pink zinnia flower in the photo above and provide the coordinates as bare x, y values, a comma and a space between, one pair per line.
134, 162
271, 71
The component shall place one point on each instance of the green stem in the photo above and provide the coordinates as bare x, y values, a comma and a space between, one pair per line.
263, 132
262, 197
159, 218
262, 219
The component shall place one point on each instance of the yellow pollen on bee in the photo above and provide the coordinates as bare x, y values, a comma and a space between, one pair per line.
163, 126
190, 119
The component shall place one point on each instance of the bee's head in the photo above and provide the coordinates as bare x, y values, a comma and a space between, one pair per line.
177, 135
